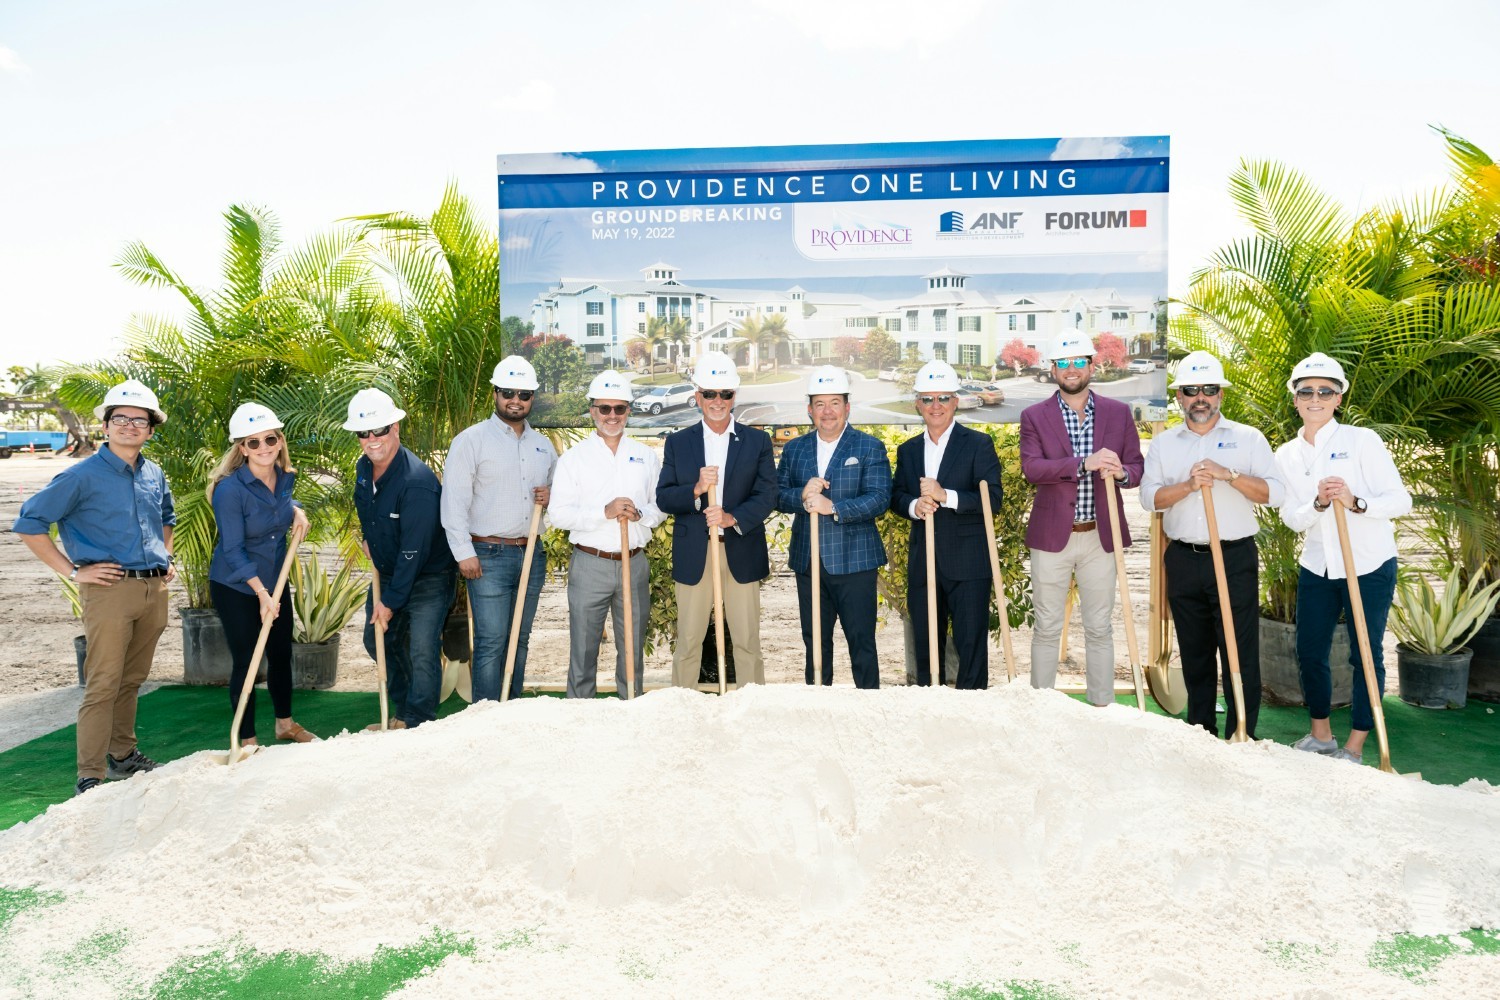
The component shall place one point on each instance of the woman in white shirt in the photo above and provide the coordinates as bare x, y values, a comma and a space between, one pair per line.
1328, 463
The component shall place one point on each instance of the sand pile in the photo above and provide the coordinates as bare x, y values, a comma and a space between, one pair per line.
778, 842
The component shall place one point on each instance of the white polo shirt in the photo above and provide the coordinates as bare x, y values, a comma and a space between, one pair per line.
589, 476
1233, 445
1358, 457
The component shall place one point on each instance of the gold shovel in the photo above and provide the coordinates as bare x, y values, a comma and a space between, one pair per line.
1231, 645
248, 686
989, 535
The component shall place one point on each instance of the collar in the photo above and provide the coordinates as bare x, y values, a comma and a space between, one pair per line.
1321, 438
115, 462
245, 475
502, 427
729, 430
818, 438
1088, 407
943, 437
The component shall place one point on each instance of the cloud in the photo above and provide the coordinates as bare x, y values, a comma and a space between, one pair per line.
884, 25
1101, 148
516, 243
536, 97
11, 64
547, 163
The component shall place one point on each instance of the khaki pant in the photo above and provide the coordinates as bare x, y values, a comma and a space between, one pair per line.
695, 604
1082, 559
122, 623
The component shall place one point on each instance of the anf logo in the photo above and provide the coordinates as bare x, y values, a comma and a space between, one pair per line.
951, 222
991, 221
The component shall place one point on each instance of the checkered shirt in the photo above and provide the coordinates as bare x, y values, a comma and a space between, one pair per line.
1081, 433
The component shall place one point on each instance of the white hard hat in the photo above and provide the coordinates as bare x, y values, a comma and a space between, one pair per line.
714, 370
827, 380
514, 372
1318, 365
936, 376
1199, 368
371, 409
1071, 344
251, 418
609, 384
131, 393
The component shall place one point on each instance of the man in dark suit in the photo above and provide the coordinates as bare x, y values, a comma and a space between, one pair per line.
736, 459
937, 476
1069, 441
844, 476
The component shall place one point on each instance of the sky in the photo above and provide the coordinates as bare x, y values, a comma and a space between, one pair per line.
144, 120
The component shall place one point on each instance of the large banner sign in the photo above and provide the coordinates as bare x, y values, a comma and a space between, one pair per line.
874, 258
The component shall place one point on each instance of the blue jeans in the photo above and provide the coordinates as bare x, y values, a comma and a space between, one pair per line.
493, 598
414, 647
1319, 601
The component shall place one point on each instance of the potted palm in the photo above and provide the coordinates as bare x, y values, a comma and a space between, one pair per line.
322, 606
1432, 661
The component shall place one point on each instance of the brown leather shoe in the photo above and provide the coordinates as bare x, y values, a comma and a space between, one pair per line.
296, 734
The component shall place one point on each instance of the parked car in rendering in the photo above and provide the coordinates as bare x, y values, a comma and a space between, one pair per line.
989, 393
1141, 366
968, 400
889, 374
664, 397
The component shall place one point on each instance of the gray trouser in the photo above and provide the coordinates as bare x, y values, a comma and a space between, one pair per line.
1085, 560
695, 603
596, 586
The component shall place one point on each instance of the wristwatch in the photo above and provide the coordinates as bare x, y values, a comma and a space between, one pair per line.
1360, 506
1234, 474
73, 576
1319, 506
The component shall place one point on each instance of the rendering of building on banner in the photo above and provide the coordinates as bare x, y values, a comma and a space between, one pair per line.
875, 258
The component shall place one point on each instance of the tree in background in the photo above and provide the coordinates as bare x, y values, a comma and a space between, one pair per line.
513, 333
775, 335
1109, 351
847, 348
1017, 355
658, 334
560, 365
41, 384
880, 349
637, 353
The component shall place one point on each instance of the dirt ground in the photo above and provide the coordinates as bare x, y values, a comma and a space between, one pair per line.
36, 644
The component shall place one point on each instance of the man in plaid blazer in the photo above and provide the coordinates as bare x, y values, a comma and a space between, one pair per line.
844, 475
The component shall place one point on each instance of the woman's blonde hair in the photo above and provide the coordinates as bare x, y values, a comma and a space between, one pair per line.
235, 457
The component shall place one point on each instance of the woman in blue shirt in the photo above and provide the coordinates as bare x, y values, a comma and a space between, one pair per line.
251, 492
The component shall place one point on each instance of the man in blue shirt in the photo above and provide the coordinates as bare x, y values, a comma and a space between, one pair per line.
398, 501
114, 514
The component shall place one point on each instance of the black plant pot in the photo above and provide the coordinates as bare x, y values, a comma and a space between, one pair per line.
1430, 680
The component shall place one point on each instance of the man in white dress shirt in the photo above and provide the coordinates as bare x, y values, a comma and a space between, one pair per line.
1209, 451
496, 471
606, 476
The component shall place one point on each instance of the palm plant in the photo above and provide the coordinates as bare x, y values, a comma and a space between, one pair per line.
658, 333
1422, 348
1440, 625
323, 604
750, 329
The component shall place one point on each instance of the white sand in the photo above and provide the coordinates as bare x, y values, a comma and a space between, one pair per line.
779, 842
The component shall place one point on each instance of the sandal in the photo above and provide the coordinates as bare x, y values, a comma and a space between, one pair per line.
374, 727
296, 734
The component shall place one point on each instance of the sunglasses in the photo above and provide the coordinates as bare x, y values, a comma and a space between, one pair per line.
1072, 363
378, 432
618, 409
139, 422
524, 395
1307, 392
1192, 390
271, 441
945, 399
724, 394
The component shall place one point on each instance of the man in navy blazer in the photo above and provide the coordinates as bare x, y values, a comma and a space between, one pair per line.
736, 460
937, 475
844, 476
1069, 441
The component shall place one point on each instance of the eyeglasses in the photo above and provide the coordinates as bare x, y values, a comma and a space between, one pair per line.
1072, 363
524, 395
1192, 390
724, 394
271, 441
378, 432
945, 399
141, 423
618, 409
1307, 392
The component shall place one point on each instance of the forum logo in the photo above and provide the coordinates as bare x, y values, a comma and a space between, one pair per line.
1134, 218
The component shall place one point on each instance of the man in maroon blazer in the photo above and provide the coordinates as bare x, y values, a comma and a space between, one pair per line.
1069, 441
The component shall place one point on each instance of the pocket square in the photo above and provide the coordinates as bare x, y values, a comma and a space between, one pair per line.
851, 460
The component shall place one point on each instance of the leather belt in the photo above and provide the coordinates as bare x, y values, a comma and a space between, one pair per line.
612, 556
1084, 526
144, 574
497, 540
1227, 544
